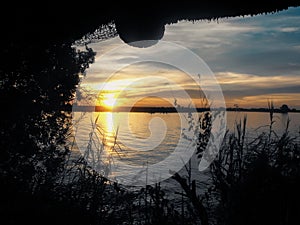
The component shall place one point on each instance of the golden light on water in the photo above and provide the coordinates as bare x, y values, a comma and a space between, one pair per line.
109, 123
106, 122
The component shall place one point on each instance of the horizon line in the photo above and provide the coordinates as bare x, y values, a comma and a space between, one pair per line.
170, 109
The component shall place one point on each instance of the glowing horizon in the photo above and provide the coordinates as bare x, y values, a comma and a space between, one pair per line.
255, 59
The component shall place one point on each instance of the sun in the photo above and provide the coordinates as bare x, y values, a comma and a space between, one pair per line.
109, 100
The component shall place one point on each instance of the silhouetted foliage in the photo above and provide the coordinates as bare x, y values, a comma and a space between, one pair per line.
257, 182
284, 108
36, 89
55, 22
39, 73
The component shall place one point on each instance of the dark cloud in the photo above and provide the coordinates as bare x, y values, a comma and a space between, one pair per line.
271, 49
260, 61
249, 91
264, 45
257, 48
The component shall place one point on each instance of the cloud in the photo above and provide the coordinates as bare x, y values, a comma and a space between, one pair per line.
288, 29
264, 44
291, 99
252, 57
255, 81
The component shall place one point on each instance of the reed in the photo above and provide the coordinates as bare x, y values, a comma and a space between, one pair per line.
255, 180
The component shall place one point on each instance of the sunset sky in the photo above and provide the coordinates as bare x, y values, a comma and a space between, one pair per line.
255, 59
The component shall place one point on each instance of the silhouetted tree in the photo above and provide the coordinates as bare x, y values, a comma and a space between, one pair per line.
37, 86
284, 108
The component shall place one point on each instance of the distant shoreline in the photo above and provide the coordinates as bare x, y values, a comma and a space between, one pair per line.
78, 108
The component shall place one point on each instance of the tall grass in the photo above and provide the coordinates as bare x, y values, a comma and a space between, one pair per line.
252, 182
107, 202
256, 181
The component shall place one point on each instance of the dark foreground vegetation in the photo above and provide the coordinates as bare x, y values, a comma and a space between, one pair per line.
252, 181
